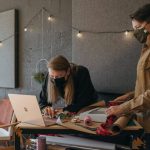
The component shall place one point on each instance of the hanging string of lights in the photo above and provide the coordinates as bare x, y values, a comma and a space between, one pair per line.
79, 32
102, 32
49, 18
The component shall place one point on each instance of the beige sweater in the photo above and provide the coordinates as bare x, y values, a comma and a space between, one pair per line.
141, 100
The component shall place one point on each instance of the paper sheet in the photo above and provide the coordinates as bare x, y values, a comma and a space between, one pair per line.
73, 141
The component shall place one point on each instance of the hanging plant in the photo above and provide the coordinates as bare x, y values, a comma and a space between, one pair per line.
39, 77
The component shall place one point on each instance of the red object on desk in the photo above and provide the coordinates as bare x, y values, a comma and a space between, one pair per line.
103, 129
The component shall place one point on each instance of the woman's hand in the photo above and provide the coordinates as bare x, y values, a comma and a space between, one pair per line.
50, 111
58, 110
114, 110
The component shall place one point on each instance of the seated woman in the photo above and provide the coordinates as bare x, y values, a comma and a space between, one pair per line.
67, 86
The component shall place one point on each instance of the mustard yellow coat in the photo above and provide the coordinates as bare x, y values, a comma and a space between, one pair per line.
141, 100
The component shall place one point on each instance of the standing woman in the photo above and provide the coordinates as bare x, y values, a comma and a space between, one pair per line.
67, 87
141, 100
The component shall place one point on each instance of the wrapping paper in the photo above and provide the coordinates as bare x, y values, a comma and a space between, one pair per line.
120, 123
113, 124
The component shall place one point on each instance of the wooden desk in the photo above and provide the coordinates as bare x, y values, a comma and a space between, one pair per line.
126, 135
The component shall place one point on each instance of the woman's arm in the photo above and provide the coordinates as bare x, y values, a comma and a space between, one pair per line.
138, 104
126, 97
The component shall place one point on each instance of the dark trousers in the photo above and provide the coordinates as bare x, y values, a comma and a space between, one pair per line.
147, 141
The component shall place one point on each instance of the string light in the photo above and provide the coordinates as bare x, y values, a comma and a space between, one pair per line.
101, 32
79, 34
126, 32
1, 43
25, 29
50, 18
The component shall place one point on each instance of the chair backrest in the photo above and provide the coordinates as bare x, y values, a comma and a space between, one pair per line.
6, 117
6, 112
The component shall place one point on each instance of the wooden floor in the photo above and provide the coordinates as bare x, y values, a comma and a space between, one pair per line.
55, 147
7, 148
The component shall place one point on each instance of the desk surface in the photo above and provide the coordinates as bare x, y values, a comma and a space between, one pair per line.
132, 125
64, 126
68, 125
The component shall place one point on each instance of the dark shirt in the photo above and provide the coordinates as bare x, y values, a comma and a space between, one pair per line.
84, 92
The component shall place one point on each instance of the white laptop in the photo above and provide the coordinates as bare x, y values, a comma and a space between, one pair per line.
27, 110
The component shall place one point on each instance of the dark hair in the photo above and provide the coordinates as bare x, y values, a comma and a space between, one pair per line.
142, 14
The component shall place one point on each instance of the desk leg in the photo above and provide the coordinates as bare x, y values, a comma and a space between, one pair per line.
17, 142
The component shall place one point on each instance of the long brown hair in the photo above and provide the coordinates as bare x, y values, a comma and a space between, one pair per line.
60, 63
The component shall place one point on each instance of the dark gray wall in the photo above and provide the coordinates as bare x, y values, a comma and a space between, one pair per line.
111, 57
57, 38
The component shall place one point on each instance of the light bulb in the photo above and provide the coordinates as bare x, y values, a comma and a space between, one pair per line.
1, 43
126, 33
50, 18
79, 34
25, 29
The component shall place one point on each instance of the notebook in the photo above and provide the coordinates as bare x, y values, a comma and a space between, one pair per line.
27, 110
